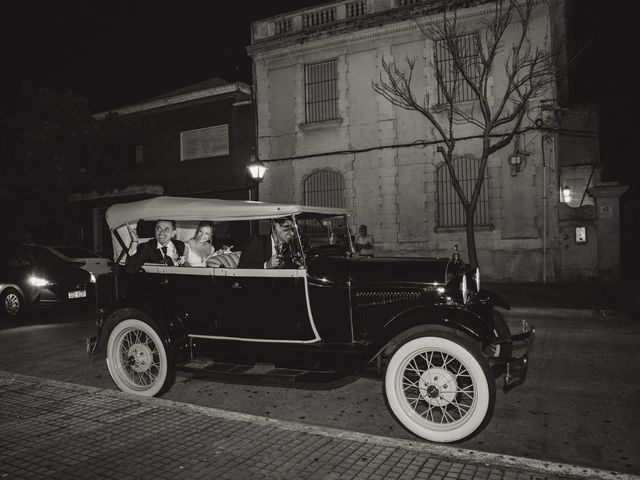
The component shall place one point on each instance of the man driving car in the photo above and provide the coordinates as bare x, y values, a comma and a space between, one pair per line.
268, 251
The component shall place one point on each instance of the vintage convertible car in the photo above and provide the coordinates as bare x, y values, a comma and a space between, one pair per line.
424, 324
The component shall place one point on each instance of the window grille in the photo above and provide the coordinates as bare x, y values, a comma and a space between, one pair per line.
452, 81
324, 188
356, 9
450, 208
321, 91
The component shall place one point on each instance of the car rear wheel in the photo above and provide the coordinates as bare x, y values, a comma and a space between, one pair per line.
440, 387
137, 358
12, 303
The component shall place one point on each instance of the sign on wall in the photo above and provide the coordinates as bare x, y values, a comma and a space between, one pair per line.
204, 142
605, 211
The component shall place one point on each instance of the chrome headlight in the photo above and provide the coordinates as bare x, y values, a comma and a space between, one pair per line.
476, 277
38, 281
464, 290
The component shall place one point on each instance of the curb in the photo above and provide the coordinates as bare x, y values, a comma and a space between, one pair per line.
564, 312
441, 451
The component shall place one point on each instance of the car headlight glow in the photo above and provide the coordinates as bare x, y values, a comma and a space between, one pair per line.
38, 281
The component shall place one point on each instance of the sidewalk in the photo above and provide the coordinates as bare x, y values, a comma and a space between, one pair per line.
622, 297
57, 430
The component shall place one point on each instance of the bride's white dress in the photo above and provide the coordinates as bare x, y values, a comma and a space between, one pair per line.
198, 253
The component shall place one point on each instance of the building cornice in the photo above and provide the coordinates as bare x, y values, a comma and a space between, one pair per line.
177, 99
129, 190
274, 49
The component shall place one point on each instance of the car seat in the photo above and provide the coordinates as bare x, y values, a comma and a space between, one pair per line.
225, 260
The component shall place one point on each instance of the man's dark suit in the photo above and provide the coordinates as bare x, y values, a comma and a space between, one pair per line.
148, 252
255, 252
258, 250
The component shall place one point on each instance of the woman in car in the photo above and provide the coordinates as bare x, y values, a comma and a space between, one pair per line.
200, 245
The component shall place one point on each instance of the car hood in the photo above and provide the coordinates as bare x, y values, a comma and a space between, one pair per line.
59, 273
381, 271
370, 271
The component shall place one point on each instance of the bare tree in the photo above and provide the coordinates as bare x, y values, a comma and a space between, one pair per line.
496, 117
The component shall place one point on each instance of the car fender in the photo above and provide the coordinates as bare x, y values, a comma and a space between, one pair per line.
492, 299
450, 318
174, 332
4, 286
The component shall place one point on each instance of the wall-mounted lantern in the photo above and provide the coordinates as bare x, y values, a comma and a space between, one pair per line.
256, 169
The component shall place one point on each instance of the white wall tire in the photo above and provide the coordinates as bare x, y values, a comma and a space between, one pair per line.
439, 387
137, 358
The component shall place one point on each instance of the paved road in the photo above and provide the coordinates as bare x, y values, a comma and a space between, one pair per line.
579, 404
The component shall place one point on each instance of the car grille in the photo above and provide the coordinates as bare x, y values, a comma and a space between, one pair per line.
374, 307
107, 289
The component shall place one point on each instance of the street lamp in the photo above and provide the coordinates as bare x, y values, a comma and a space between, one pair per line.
257, 171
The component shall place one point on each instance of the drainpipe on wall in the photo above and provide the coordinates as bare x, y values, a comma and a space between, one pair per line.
544, 211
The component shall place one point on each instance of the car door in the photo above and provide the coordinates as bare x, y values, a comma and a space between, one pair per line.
264, 305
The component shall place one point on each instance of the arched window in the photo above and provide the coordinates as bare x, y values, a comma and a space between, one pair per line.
324, 188
450, 209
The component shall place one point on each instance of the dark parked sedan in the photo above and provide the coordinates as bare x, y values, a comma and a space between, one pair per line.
30, 276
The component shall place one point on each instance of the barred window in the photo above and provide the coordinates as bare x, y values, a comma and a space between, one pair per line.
452, 80
324, 188
321, 91
450, 208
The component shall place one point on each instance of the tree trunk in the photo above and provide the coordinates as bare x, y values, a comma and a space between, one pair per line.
471, 238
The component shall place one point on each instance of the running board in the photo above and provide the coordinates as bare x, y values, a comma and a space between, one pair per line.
258, 373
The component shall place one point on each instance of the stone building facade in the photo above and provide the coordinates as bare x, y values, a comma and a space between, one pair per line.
329, 139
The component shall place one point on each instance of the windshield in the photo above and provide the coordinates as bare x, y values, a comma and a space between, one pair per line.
321, 230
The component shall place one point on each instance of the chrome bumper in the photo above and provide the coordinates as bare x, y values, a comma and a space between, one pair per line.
517, 364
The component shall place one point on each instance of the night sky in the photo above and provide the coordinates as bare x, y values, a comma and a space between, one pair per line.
120, 52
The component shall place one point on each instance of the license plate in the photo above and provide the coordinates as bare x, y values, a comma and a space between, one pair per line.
78, 294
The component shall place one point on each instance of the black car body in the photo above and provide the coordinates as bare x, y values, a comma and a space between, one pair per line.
30, 276
435, 336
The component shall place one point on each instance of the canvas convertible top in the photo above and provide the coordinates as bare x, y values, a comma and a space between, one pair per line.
184, 208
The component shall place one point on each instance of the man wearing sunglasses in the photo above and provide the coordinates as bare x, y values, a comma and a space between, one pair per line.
268, 251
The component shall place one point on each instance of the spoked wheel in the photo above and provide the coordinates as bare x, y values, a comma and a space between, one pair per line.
440, 387
137, 358
12, 303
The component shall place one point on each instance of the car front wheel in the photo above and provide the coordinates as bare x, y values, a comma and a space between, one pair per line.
12, 303
440, 387
137, 358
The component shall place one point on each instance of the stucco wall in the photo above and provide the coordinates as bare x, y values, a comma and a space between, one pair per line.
391, 185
